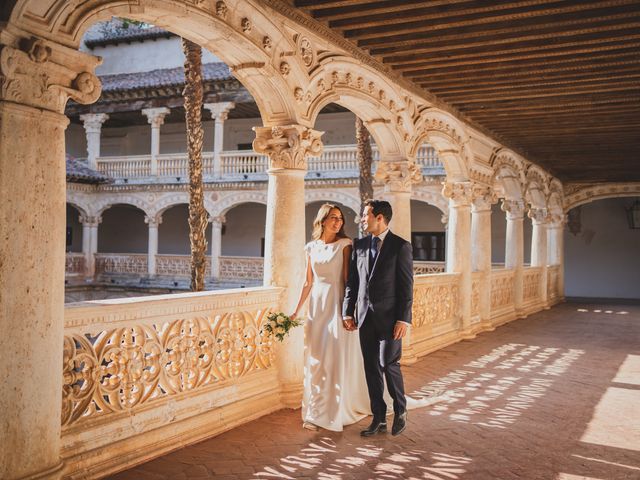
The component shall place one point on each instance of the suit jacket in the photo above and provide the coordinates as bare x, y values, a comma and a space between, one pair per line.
386, 290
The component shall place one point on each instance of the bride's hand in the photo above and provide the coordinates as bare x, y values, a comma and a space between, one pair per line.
292, 316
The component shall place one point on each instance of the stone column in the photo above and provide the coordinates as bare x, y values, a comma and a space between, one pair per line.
287, 148
155, 117
483, 198
219, 113
539, 217
38, 77
514, 249
90, 243
460, 195
216, 245
93, 128
152, 250
397, 178
555, 237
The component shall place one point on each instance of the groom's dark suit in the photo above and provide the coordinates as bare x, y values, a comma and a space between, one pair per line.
379, 293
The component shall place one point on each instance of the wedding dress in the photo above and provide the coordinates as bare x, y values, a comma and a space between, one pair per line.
335, 388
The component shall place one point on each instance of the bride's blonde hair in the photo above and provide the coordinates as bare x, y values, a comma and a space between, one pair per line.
323, 213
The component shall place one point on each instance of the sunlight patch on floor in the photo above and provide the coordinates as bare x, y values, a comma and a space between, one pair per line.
616, 421
568, 476
629, 371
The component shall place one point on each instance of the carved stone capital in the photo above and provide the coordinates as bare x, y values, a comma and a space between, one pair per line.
218, 221
538, 215
288, 146
513, 208
557, 220
398, 176
90, 220
483, 198
459, 193
153, 222
220, 111
43, 74
93, 121
155, 116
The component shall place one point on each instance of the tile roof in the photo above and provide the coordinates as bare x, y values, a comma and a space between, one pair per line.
79, 172
111, 35
163, 77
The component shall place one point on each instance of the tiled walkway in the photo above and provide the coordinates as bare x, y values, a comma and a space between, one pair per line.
553, 396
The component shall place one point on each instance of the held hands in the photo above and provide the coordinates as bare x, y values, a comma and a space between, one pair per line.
399, 330
349, 324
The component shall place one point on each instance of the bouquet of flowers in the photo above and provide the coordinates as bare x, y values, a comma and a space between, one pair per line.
279, 324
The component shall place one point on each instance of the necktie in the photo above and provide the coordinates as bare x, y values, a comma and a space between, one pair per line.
375, 244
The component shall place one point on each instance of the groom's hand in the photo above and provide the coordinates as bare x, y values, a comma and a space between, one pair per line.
349, 324
399, 330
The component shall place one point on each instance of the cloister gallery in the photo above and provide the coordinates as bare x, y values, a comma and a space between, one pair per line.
282, 90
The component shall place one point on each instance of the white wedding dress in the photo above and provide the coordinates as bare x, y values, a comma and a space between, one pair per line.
335, 388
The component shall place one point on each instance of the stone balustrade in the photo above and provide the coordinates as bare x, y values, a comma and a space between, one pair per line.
125, 263
502, 295
554, 292
75, 264
422, 268
242, 268
531, 292
242, 164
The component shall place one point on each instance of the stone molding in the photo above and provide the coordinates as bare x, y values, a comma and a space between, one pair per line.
577, 194
287, 146
93, 121
155, 116
41, 74
483, 198
398, 176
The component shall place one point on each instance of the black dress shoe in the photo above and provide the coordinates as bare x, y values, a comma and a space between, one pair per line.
399, 423
377, 426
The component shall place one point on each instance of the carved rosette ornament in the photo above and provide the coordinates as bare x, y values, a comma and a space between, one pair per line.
458, 193
288, 146
513, 208
398, 176
32, 73
306, 51
221, 9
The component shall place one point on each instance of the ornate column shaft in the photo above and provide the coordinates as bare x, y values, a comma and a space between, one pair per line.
287, 148
539, 217
483, 198
219, 113
397, 178
216, 245
36, 79
93, 128
152, 250
155, 117
514, 249
459, 245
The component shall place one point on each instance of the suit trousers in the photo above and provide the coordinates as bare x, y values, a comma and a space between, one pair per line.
381, 355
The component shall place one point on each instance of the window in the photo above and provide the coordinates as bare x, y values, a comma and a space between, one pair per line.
245, 146
428, 246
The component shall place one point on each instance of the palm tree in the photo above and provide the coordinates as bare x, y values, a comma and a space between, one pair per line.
193, 93
365, 161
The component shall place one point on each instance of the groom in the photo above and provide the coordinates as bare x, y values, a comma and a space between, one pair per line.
378, 299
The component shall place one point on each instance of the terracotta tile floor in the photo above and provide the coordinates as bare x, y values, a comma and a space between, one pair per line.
553, 396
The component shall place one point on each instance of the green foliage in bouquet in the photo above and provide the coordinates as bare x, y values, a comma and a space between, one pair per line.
279, 324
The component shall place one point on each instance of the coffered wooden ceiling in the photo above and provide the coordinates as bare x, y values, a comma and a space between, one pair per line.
558, 81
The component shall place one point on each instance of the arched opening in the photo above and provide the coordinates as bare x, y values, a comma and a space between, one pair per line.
243, 230
601, 252
428, 233
123, 230
173, 232
73, 242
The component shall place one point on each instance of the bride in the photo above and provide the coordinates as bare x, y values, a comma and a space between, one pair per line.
335, 390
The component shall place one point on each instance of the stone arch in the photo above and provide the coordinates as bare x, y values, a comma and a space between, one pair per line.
508, 178
167, 201
225, 204
555, 198
345, 199
447, 135
107, 202
435, 199
77, 203
535, 188
364, 92
242, 36
590, 193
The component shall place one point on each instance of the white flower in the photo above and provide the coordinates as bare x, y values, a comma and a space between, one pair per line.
280, 320
280, 330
